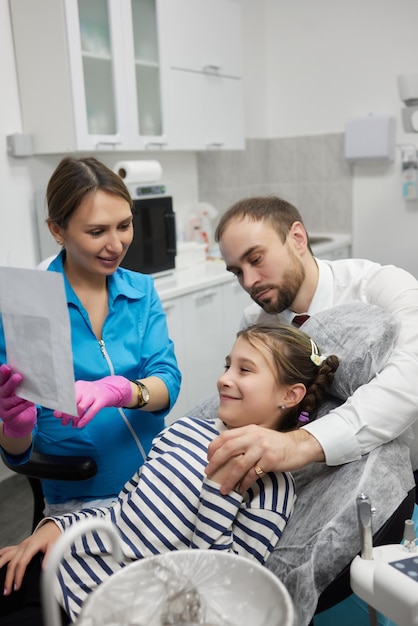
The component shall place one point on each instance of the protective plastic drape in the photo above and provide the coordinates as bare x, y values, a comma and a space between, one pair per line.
189, 588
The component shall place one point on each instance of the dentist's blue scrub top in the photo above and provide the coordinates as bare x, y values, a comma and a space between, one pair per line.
135, 344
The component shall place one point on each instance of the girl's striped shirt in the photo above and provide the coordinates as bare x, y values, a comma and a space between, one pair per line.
170, 504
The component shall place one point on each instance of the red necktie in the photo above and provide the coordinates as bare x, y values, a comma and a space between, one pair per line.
298, 320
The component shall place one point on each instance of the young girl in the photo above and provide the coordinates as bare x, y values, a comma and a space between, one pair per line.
275, 378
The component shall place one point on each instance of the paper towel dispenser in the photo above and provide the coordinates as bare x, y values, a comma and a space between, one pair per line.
370, 138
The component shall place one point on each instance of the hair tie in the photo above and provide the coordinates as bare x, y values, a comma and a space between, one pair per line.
304, 417
315, 357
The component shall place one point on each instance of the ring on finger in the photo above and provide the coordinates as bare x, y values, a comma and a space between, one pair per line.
258, 470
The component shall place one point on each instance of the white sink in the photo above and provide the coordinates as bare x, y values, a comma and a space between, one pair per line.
317, 239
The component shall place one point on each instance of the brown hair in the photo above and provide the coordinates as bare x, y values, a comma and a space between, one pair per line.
73, 180
291, 350
280, 213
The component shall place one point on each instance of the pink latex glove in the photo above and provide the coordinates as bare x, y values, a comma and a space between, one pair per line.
18, 415
91, 396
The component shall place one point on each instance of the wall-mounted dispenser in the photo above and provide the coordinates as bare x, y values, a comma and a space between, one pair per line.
409, 172
408, 92
370, 139
20, 145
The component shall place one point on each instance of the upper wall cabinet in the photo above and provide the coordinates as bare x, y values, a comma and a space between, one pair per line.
88, 73
96, 75
201, 52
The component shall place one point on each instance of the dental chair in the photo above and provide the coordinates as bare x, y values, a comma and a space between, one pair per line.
48, 466
288, 562
314, 554
391, 532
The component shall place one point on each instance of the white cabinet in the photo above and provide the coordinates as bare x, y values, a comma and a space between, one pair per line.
146, 124
203, 324
174, 312
88, 74
202, 339
206, 111
234, 301
199, 35
129, 75
201, 56
198, 343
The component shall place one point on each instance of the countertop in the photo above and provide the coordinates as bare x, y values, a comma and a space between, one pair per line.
201, 276
209, 274
336, 241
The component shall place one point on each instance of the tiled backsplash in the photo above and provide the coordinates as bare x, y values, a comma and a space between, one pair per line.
310, 172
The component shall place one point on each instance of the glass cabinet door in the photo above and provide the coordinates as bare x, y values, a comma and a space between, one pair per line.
116, 78
98, 70
147, 68
97, 59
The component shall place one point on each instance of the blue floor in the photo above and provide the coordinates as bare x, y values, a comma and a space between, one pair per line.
353, 610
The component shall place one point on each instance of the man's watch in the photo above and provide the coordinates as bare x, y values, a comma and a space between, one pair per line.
143, 394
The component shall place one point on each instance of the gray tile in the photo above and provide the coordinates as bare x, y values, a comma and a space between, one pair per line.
309, 171
231, 168
281, 165
287, 191
207, 170
310, 159
336, 166
221, 169
222, 199
16, 510
310, 203
255, 162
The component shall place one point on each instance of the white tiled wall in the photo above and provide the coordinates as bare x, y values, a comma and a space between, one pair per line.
310, 172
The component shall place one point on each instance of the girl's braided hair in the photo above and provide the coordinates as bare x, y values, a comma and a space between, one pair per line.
297, 360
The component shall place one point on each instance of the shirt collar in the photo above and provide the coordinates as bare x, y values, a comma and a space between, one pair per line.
323, 296
116, 283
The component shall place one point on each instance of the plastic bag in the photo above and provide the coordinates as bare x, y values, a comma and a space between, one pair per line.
181, 588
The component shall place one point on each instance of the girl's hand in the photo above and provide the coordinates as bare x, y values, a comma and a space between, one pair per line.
250, 446
18, 557
223, 473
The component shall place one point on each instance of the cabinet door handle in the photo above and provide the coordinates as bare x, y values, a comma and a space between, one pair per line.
214, 144
156, 144
212, 69
104, 145
169, 306
204, 295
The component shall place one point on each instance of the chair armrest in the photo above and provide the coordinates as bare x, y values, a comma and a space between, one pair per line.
55, 467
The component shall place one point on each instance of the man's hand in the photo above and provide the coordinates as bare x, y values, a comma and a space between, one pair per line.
250, 446
18, 557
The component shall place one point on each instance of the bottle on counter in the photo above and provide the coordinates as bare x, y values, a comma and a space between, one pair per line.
196, 232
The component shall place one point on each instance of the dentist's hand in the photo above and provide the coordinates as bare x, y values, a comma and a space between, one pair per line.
91, 396
18, 415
